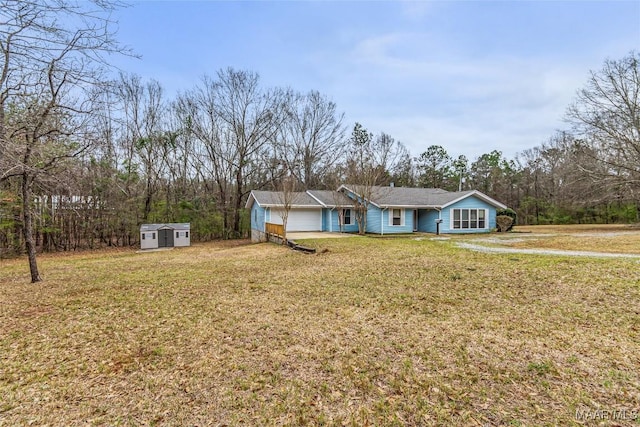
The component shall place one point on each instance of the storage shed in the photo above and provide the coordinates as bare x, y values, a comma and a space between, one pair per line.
153, 236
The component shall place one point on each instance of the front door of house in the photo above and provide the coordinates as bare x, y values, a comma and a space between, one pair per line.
415, 220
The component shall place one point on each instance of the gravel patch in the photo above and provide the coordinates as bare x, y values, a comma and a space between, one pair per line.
603, 234
487, 249
504, 241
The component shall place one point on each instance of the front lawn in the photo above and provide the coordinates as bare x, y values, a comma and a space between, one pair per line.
371, 331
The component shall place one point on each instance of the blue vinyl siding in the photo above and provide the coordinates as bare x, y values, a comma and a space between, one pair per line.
257, 217
468, 203
373, 219
335, 224
331, 221
353, 228
394, 229
378, 221
326, 215
427, 220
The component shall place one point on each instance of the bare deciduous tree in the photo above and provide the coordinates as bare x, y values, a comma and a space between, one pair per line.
287, 196
147, 140
368, 164
48, 75
312, 138
249, 117
606, 116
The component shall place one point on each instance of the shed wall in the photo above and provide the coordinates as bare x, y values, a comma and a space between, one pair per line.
182, 238
152, 236
148, 239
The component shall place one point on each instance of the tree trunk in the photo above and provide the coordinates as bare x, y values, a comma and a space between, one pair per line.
147, 200
27, 229
238, 204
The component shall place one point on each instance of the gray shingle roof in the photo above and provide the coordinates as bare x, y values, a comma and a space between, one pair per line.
276, 198
417, 197
401, 196
331, 198
384, 197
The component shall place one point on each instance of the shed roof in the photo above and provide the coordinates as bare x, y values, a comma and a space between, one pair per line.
172, 226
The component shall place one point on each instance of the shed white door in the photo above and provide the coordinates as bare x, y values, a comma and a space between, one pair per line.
299, 219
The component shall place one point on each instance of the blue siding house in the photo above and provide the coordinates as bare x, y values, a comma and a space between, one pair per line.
389, 210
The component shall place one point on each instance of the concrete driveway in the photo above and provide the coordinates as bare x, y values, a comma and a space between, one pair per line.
300, 235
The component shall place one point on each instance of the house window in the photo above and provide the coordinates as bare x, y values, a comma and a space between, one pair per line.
464, 219
397, 217
346, 217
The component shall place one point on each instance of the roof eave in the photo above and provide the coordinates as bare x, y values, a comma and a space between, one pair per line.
410, 206
280, 205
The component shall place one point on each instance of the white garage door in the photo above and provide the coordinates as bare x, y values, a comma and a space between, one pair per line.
299, 219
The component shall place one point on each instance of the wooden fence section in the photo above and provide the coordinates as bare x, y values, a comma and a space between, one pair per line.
276, 229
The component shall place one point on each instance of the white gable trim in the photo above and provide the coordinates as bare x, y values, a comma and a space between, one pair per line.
480, 196
369, 202
250, 200
316, 199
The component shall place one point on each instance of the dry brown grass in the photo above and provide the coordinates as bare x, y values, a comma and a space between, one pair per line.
576, 228
371, 332
613, 238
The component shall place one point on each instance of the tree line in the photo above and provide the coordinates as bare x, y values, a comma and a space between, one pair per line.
85, 158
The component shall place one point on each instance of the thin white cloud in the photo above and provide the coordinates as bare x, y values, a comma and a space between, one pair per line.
417, 10
471, 76
470, 105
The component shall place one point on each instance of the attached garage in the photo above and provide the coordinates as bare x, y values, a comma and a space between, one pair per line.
154, 236
267, 207
299, 219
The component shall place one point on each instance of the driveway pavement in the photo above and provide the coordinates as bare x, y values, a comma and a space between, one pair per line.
316, 235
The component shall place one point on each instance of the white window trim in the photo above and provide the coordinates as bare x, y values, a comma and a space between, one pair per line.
402, 215
451, 219
344, 216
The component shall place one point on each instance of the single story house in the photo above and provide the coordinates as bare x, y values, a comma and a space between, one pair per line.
153, 236
390, 210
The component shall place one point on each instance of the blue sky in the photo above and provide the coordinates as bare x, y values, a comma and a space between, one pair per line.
472, 76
